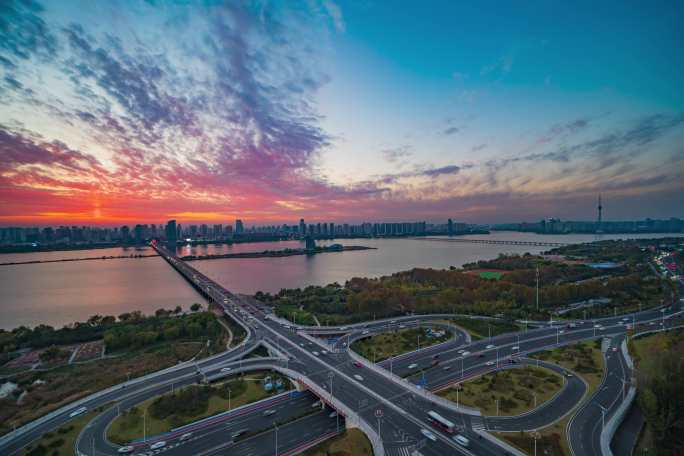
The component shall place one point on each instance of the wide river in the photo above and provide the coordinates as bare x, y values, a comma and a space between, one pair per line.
61, 293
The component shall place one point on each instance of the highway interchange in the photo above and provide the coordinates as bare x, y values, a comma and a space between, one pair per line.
385, 403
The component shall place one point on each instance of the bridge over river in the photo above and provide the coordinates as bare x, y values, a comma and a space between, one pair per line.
496, 242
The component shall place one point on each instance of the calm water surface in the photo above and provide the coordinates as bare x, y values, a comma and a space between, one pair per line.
60, 293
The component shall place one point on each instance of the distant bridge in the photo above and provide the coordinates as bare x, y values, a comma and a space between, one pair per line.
496, 242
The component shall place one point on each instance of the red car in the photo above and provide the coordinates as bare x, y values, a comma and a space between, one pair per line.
358, 364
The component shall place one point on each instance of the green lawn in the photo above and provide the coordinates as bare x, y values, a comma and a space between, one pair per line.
491, 275
382, 346
513, 388
60, 442
480, 329
587, 360
129, 425
352, 442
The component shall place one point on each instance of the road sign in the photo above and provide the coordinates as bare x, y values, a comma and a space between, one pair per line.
378, 413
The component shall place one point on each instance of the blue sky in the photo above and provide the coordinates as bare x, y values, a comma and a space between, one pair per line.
359, 110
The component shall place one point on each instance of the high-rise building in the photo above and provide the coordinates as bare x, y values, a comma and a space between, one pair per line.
171, 234
239, 227
450, 227
302, 228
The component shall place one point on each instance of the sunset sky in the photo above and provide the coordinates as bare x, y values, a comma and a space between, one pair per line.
141, 111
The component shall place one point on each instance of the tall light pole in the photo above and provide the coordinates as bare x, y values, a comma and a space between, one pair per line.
603, 416
276, 438
458, 387
537, 274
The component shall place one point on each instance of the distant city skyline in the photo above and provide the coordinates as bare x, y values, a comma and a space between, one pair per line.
339, 111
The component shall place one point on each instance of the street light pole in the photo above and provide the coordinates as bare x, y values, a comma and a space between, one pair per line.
276, 438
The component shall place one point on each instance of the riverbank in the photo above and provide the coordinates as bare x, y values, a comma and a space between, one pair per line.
262, 254
278, 253
66, 260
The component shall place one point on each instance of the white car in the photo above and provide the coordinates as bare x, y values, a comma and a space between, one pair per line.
268, 412
429, 435
78, 411
333, 414
364, 332
461, 440
465, 353
460, 351
315, 353
185, 436
515, 347
126, 449
324, 352
226, 369
358, 377
413, 366
489, 363
490, 346
157, 445
597, 326
402, 326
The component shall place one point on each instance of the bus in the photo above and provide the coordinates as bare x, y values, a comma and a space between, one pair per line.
440, 422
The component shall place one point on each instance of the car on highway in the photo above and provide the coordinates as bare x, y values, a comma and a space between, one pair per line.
489, 363
269, 412
434, 362
515, 347
446, 368
237, 434
358, 364
332, 414
465, 353
461, 440
413, 366
324, 352
185, 436
316, 404
126, 449
315, 353
597, 326
78, 411
460, 351
358, 377
226, 369
428, 435
364, 332
568, 374
402, 326
490, 346
157, 445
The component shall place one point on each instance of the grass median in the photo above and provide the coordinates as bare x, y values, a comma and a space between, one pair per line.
351, 442
61, 441
513, 389
385, 345
169, 411
587, 360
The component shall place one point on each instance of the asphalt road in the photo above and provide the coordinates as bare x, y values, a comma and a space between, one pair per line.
384, 404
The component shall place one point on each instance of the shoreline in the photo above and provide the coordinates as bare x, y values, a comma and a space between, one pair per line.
276, 253
262, 254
